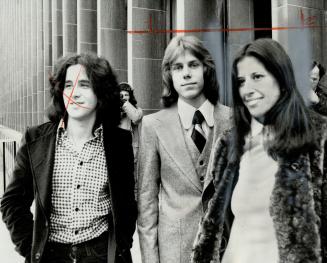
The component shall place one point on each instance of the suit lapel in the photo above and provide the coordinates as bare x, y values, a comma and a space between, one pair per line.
170, 132
42, 153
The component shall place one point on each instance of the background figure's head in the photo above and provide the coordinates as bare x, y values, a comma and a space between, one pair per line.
316, 73
188, 46
127, 93
103, 82
284, 111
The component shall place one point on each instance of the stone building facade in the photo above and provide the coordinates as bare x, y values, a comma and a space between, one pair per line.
132, 35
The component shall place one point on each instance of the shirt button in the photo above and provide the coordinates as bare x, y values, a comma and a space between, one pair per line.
76, 232
37, 256
76, 209
201, 178
81, 163
201, 162
78, 186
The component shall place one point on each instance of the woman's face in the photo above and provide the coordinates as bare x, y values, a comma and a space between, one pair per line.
124, 95
258, 88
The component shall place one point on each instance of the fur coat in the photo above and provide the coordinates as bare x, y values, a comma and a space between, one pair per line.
298, 204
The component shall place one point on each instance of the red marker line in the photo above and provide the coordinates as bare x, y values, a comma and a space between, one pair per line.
70, 95
74, 102
163, 31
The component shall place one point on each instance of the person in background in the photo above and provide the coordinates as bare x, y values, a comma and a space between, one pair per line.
174, 152
131, 116
78, 168
268, 188
318, 84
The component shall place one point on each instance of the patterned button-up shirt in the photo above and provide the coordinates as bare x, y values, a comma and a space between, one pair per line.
80, 193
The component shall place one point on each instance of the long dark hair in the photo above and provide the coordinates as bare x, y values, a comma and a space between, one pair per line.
288, 119
124, 86
103, 82
177, 46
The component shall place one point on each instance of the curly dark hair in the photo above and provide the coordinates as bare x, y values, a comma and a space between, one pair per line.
103, 81
177, 46
124, 86
289, 118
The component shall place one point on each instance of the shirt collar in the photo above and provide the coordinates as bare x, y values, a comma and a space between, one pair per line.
186, 113
62, 132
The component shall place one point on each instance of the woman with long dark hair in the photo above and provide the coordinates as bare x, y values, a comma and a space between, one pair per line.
267, 178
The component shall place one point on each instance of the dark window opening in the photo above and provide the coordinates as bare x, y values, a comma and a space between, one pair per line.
262, 18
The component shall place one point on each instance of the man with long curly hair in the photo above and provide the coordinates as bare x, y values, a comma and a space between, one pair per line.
78, 168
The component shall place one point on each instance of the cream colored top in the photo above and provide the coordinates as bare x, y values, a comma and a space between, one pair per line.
253, 238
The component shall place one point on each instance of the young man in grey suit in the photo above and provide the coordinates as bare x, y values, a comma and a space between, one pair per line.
174, 152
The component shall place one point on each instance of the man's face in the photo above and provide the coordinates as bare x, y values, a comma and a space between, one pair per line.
79, 97
187, 75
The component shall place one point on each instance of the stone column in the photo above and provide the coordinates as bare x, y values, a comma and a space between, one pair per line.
239, 15
146, 50
86, 25
57, 41
25, 63
47, 38
33, 8
5, 43
20, 68
205, 19
112, 37
69, 10
29, 63
40, 61
15, 81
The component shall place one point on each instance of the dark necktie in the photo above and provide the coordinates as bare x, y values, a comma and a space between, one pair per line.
197, 133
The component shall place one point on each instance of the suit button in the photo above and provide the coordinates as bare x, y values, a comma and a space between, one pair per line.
37, 256
201, 162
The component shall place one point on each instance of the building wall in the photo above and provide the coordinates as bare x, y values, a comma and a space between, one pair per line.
305, 40
37, 32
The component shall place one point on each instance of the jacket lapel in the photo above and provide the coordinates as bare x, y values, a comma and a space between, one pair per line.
42, 153
170, 132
